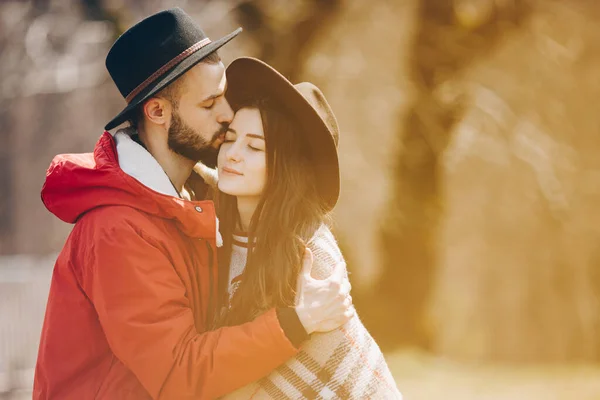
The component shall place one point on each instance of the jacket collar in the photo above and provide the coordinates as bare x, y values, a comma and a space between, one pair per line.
138, 163
78, 183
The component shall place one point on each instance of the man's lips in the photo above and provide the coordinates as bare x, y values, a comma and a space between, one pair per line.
231, 171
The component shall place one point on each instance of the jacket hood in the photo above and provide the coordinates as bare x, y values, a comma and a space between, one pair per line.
121, 172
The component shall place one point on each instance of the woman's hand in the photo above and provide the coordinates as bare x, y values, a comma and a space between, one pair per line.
323, 305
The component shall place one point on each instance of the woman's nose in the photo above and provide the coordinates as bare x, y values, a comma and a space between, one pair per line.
233, 153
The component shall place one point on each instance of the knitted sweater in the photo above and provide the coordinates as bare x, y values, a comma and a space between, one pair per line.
342, 364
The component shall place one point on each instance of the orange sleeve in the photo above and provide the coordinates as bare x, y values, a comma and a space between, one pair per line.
149, 325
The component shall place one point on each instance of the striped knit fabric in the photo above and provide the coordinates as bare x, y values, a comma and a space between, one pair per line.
342, 364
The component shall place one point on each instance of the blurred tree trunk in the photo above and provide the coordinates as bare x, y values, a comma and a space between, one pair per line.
517, 272
449, 38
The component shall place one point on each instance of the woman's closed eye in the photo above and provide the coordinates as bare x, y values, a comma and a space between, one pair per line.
255, 147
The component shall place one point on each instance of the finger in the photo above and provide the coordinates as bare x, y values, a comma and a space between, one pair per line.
350, 313
307, 263
345, 288
339, 271
347, 302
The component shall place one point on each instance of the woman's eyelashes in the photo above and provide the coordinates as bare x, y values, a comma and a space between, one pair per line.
255, 144
230, 138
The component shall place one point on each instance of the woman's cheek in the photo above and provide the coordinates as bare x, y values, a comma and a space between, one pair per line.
221, 155
263, 170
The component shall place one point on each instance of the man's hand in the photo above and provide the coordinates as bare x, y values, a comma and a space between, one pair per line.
323, 305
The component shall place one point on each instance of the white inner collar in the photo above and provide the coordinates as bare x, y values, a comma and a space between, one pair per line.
138, 163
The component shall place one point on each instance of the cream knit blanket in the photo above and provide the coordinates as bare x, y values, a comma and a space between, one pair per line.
343, 364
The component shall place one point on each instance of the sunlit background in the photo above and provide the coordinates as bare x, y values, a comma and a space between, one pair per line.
470, 164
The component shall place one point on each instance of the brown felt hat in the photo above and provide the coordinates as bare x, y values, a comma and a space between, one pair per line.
248, 76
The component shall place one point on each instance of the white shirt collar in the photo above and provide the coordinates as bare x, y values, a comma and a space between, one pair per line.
138, 163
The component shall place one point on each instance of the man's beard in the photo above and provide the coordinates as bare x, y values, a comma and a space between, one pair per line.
184, 141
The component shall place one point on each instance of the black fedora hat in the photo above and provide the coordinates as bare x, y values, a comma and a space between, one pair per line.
155, 52
250, 77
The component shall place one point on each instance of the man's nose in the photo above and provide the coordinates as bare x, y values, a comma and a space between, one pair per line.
226, 113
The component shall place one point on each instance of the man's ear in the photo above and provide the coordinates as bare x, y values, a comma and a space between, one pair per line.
158, 111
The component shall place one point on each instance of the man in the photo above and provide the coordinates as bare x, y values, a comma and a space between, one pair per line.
135, 287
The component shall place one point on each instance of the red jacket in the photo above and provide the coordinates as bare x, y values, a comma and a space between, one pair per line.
131, 291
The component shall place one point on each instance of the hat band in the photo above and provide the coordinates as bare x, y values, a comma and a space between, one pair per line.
184, 54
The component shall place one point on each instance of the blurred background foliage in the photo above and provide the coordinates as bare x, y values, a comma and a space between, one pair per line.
469, 165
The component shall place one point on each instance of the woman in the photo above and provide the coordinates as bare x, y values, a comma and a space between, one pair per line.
278, 179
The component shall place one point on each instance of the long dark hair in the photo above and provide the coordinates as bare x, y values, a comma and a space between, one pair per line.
288, 214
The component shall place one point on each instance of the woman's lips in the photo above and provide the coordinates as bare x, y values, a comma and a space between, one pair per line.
231, 171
